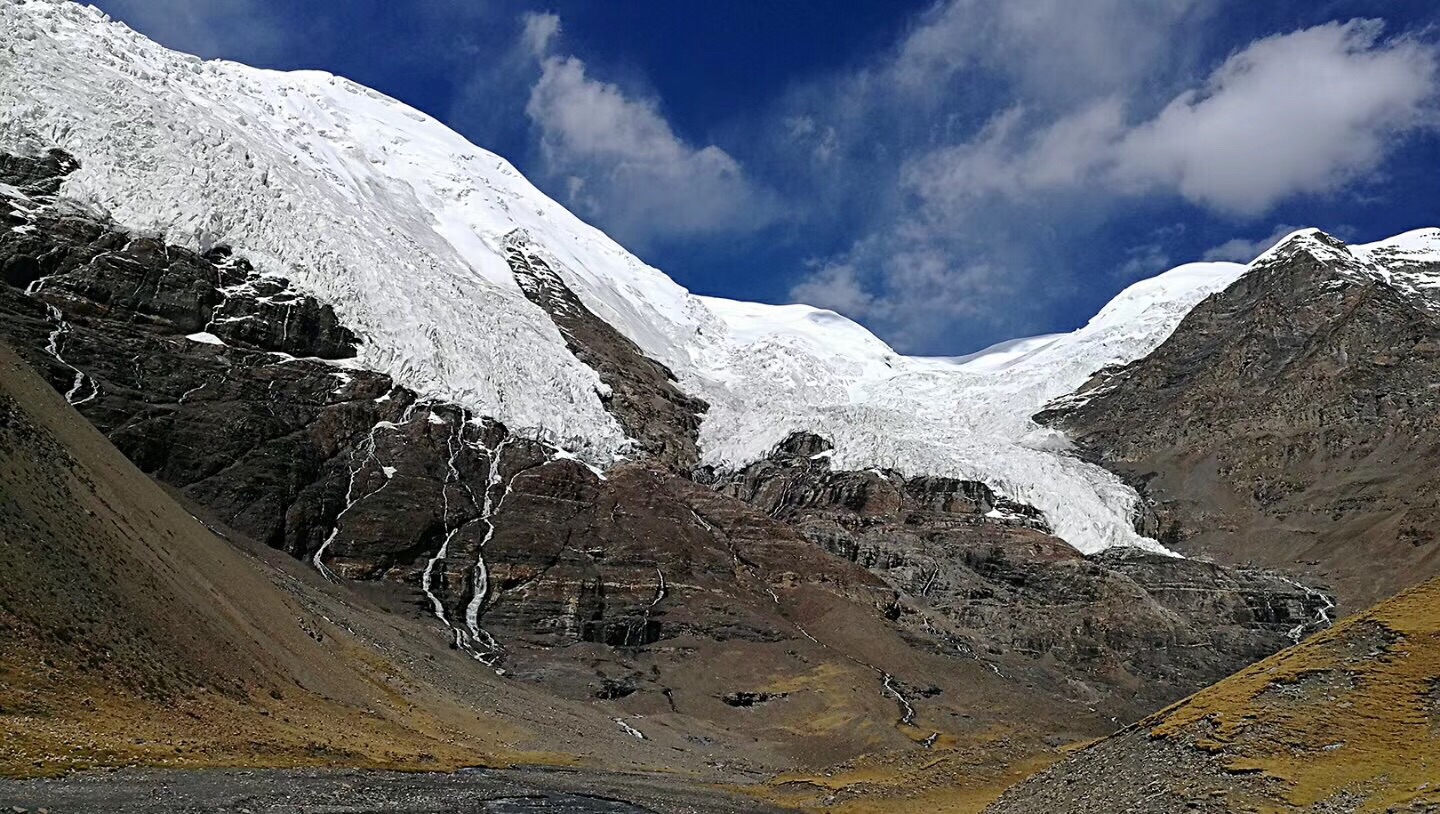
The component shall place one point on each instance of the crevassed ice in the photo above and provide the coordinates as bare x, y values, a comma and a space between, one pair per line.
397, 221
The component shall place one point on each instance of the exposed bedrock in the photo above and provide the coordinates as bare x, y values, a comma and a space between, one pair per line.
640, 393
242, 394
1290, 421
981, 575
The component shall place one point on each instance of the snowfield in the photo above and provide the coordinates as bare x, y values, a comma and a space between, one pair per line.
398, 222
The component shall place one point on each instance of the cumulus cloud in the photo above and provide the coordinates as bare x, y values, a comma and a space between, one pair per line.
625, 163
1291, 114
1301, 113
919, 143
1011, 157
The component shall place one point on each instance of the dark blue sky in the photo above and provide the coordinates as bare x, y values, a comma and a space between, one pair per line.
951, 173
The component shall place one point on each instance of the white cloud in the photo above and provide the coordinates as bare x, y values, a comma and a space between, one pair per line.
1009, 158
1048, 49
1085, 130
1291, 114
640, 179
821, 141
537, 33
944, 74
917, 148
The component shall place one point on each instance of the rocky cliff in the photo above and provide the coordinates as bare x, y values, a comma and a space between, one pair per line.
1123, 630
1290, 421
865, 611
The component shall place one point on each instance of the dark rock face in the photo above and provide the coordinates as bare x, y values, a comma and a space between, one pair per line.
221, 383
640, 556
265, 314
1291, 420
240, 428
750, 699
642, 395
797, 483
214, 380
981, 574
37, 175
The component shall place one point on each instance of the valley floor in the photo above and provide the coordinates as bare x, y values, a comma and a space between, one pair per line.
488, 791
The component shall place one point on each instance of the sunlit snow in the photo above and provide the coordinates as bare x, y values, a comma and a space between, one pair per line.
398, 222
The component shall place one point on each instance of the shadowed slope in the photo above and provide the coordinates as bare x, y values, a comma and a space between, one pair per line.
130, 633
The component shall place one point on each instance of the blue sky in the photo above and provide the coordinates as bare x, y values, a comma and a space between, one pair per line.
949, 172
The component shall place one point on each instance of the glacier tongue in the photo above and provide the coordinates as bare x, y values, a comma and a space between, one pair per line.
398, 222
967, 418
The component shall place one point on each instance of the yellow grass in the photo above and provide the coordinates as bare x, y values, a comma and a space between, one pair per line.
1354, 712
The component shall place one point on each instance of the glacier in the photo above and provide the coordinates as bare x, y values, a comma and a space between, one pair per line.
398, 222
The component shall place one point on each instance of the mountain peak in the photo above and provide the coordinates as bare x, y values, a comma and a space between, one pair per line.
400, 225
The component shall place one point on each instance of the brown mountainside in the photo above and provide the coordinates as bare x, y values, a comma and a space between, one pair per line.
1291, 421
1347, 721
132, 633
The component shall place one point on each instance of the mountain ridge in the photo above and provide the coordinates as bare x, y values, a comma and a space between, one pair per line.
1289, 420
734, 537
396, 222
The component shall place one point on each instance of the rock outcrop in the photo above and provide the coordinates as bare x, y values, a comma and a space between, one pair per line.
1290, 421
641, 393
1124, 630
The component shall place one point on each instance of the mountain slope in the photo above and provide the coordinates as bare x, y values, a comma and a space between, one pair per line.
1292, 420
1347, 721
729, 537
789, 616
400, 225
132, 633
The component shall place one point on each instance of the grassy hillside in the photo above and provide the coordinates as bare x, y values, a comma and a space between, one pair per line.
1354, 713
1349, 720
131, 633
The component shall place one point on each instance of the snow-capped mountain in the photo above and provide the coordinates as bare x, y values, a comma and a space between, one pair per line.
1405, 262
400, 224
